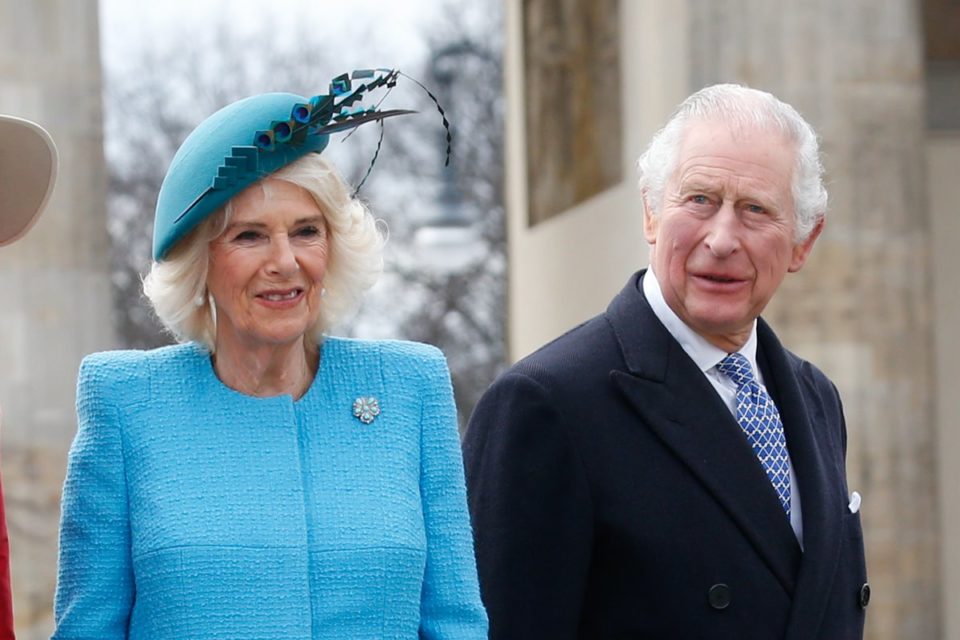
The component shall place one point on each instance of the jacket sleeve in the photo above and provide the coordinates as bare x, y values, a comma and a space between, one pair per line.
531, 510
95, 585
6, 595
450, 606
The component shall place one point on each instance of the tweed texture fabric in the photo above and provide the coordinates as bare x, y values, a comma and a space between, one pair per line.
194, 511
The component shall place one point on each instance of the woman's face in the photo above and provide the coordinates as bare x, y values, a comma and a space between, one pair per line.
266, 269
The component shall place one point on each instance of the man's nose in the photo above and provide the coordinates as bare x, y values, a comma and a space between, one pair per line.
723, 237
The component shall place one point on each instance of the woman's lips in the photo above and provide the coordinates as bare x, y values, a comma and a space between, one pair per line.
281, 297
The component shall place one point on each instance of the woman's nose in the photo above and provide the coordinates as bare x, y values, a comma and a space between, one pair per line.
283, 260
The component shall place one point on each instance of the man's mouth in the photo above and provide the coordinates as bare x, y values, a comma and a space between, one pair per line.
718, 278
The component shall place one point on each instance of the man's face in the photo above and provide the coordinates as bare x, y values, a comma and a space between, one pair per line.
724, 237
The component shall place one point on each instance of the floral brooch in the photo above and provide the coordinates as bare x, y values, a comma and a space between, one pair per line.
366, 408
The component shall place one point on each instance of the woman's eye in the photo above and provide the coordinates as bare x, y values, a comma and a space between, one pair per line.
755, 208
699, 199
308, 232
246, 236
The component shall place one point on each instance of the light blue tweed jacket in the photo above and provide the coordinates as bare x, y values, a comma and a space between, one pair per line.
191, 511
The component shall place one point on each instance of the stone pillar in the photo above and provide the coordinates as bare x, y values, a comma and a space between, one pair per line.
54, 283
861, 308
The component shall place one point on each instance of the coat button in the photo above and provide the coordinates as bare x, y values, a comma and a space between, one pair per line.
719, 596
864, 595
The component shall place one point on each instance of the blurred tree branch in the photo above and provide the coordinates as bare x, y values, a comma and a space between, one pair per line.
153, 101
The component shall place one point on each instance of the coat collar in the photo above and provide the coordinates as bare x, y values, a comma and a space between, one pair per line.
679, 405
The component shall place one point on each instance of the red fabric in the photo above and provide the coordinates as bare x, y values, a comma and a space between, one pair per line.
6, 596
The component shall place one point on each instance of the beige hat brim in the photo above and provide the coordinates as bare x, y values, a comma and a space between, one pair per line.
28, 170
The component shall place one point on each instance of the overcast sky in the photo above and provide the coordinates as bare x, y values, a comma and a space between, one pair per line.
395, 27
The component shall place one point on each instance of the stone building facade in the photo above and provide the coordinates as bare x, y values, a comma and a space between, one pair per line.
54, 283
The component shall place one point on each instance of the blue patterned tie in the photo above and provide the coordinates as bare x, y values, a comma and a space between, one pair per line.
760, 421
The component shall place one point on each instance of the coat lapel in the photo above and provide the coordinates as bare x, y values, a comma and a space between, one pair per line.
818, 480
676, 401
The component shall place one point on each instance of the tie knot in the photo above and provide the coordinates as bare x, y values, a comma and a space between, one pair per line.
736, 367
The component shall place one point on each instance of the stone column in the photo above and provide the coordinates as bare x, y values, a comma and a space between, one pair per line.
861, 308
54, 283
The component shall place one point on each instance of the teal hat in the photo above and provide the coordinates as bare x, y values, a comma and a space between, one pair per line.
251, 139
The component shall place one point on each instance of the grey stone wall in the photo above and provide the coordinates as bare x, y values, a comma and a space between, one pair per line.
54, 283
861, 308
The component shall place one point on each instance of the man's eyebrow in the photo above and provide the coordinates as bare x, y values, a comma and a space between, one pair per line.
698, 182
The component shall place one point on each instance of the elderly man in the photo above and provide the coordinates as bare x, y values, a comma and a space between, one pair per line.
668, 469
28, 166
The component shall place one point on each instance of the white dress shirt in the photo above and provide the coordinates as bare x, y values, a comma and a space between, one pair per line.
707, 357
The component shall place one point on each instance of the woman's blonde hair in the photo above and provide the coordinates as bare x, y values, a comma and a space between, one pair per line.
177, 285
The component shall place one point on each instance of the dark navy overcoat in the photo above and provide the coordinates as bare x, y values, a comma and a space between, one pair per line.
613, 495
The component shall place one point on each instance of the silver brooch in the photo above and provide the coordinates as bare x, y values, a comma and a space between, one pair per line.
365, 409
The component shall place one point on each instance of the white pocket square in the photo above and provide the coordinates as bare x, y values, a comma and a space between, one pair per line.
854, 505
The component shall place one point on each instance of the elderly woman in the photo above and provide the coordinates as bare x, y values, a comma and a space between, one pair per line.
28, 170
262, 479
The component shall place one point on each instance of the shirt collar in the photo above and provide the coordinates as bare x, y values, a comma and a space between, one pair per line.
705, 355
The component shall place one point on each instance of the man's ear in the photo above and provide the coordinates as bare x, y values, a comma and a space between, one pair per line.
802, 251
651, 222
